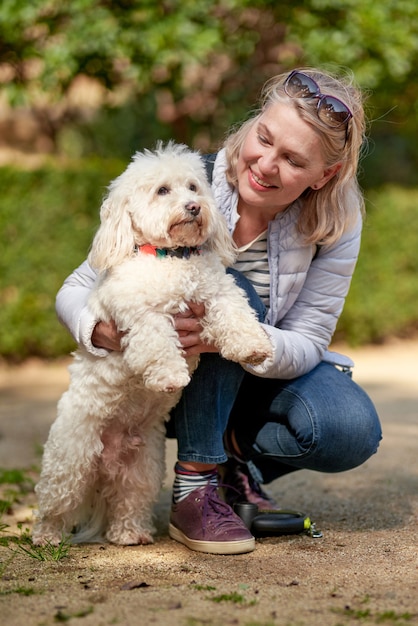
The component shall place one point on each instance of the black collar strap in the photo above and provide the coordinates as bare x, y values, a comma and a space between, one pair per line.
182, 252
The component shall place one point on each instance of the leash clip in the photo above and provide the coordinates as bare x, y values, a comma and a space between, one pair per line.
314, 532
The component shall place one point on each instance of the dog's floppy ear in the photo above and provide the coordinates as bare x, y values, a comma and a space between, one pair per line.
114, 241
221, 241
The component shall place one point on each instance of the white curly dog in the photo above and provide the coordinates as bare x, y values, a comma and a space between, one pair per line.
161, 243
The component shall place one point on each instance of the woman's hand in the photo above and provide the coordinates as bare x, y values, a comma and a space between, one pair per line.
106, 335
188, 327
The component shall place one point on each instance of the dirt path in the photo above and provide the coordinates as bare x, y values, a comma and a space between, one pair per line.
363, 571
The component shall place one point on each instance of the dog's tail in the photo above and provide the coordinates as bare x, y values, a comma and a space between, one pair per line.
93, 521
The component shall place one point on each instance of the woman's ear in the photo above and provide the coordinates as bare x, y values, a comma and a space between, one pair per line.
329, 173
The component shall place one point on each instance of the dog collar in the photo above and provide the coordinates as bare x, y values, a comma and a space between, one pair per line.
182, 252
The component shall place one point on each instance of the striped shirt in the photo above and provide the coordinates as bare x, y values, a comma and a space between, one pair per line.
252, 261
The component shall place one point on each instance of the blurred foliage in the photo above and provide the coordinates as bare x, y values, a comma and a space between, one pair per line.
103, 79
47, 221
382, 301
190, 69
48, 218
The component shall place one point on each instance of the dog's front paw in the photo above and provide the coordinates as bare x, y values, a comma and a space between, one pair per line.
166, 382
129, 537
255, 358
253, 351
46, 536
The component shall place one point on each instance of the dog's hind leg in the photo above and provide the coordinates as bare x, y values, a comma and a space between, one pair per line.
61, 490
68, 468
132, 491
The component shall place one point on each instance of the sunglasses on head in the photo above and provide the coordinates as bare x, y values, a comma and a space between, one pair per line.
332, 111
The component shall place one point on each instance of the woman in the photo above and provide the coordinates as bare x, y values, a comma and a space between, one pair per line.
286, 183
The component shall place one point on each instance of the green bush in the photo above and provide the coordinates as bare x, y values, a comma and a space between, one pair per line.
47, 220
383, 298
48, 217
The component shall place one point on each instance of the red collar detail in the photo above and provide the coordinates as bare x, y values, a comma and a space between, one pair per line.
182, 252
147, 248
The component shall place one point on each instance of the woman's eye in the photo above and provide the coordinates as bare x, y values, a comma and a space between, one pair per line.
163, 191
192, 187
262, 139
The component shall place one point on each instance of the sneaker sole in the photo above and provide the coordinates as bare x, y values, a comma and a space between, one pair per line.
212, 547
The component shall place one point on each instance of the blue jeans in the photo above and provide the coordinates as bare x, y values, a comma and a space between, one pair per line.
321, 421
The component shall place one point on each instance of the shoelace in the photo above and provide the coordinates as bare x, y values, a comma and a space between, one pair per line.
216, 508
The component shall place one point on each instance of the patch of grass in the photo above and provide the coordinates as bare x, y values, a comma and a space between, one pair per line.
17, 477
378, 618
234, 597
193, 621
14, 483
22, 543
60, 616
24, 591
391, 616
4, 528
48, 552
5, 507
204, 588
260, 624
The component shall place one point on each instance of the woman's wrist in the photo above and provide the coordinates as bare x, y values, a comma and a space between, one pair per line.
106, 336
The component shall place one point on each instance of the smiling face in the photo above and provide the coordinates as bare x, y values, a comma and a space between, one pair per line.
281, 156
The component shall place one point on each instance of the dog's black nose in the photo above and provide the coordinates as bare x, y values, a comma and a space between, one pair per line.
193, 208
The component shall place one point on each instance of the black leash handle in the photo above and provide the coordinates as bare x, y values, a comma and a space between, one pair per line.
266, 522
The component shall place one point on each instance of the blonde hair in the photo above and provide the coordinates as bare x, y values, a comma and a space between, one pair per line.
331, 210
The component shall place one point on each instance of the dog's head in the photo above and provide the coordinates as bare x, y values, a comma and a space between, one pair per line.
163, 198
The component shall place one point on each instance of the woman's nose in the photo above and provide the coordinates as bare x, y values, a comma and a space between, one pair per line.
268, 165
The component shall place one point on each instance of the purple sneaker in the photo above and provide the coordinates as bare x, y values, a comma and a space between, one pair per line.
203, 522
240, 486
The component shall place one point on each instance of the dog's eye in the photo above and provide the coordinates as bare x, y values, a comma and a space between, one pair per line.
192, 187
163, 191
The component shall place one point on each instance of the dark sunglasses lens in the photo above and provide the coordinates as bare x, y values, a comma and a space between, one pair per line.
332, 111
300, 86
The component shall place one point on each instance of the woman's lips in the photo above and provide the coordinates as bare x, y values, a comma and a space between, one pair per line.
259, 182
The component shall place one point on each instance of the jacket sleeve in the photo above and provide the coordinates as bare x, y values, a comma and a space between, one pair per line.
302, 337
72, 309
